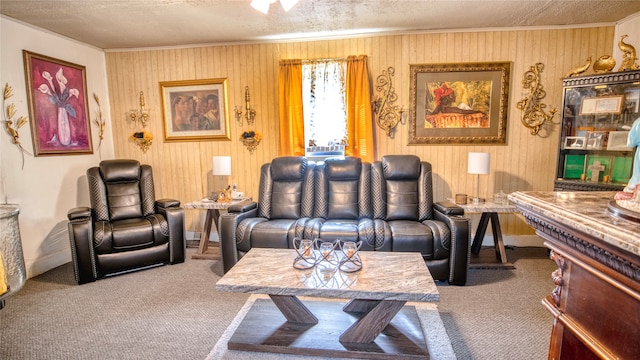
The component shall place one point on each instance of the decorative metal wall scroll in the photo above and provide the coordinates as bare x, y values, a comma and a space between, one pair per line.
386, 113
533, 114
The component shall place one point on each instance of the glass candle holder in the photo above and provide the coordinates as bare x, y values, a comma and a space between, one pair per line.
351, 261
328, 260
304, 254
326, 251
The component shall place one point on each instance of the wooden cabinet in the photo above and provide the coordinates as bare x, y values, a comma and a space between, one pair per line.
597, 113
596, 300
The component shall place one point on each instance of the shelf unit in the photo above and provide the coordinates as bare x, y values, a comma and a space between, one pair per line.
597, 113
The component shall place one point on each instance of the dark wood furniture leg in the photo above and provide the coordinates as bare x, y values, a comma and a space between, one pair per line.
204, 253
317, 328
293, 309
498, 242
368, 327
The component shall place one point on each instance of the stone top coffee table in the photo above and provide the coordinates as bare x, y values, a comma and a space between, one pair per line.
374, 324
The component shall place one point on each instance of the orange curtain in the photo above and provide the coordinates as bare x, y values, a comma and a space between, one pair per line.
291, 114
359, 118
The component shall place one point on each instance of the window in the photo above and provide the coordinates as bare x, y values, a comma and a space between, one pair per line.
324, 106
356, 135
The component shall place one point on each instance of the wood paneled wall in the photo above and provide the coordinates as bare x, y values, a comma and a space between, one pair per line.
183, 169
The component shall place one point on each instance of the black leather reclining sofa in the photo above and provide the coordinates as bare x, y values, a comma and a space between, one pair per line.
388, 205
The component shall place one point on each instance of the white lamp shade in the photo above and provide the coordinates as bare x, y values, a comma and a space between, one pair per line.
221, 165
479, 163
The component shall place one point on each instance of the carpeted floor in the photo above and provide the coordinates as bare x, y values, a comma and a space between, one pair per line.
174, 312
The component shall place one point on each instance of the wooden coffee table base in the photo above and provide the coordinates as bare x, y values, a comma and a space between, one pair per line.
265, 329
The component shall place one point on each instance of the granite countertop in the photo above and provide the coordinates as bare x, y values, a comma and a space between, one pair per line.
585, 211
384, 276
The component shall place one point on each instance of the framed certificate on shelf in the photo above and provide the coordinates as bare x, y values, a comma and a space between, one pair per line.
601, 105
618, 141
575, 142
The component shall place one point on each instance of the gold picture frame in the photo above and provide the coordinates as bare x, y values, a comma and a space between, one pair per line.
195, 110
459, 103
58, 109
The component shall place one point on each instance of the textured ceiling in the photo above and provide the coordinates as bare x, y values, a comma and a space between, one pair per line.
119, 24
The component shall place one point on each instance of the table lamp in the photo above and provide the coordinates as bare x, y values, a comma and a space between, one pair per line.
478, 164
221, 167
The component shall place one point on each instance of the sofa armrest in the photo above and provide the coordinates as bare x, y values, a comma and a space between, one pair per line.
448, 208
79, 213
228, 226
243, 206
80, 237
174, 215
167, 203
460, 234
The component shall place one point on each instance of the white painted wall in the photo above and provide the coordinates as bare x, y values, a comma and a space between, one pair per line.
48, 186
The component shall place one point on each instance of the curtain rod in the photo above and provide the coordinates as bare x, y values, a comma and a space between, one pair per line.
323, 60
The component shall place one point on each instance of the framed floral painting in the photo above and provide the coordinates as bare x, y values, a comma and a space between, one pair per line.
57, 98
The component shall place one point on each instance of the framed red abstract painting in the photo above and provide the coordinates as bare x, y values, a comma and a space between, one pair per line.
464, 103
57, 97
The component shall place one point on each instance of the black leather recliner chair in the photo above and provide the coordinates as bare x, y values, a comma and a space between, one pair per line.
125, 228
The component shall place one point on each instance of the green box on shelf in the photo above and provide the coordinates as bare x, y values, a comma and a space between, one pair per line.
621, 171
573, 166
604, 161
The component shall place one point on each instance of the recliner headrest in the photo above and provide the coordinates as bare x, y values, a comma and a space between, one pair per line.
120, 170
401, 167
347, 168
288, 168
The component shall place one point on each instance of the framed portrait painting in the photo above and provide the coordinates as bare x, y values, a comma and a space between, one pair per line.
195, 110
463, 103
57, 98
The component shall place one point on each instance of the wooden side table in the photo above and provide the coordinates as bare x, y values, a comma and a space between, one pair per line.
489, 211
213, 214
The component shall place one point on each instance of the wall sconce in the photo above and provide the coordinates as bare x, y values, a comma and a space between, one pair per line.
386, 113
142, 138
141, 115
250, 114
251, 140
479, 163
533, 115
